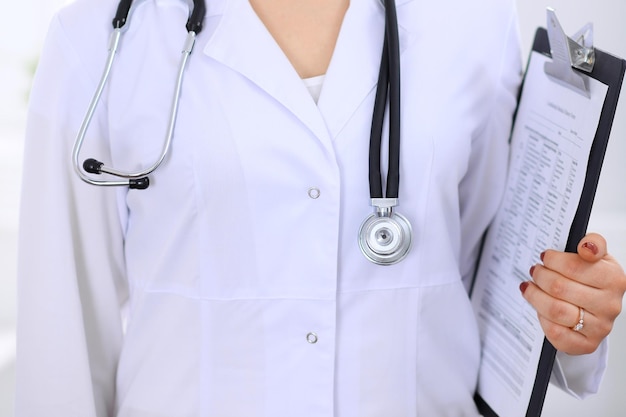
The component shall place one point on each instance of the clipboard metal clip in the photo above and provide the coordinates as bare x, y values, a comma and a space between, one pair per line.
568, 53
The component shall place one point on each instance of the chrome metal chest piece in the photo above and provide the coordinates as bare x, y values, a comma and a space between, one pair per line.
385, 236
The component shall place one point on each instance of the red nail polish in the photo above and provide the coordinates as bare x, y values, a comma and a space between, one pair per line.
541, 255
523, 286
591, 246
532, 269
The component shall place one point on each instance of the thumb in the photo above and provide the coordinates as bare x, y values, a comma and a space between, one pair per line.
592, 247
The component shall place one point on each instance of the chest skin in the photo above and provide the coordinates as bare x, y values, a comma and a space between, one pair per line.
306, 31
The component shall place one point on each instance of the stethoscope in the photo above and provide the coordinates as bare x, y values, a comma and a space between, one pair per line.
134, 180
385, 236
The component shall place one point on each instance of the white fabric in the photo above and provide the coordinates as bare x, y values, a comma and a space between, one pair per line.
314, 85
580, 376
225, 263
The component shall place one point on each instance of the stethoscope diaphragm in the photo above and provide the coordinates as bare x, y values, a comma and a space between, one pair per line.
385, 237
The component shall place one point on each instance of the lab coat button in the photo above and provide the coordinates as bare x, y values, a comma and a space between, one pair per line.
314, 193
311, 338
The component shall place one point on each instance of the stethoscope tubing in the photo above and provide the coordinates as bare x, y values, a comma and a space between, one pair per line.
388, 91
391, 31
380, 104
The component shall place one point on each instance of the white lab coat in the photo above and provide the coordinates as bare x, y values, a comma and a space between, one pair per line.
226, 263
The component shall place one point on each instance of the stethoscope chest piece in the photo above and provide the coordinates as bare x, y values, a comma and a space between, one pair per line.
385, 237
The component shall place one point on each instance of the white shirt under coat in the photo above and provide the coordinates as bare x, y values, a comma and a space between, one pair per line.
245, 244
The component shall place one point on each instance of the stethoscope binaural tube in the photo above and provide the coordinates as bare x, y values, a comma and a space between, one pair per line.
385, 236
134, 180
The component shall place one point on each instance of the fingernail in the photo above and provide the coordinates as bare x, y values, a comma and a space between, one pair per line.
541, 255
591, 246
523, 286
532, 269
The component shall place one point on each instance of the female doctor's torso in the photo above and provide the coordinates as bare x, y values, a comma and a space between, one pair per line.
245, 290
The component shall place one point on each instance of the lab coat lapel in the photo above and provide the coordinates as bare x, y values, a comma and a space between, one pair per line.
353, 71
242, 43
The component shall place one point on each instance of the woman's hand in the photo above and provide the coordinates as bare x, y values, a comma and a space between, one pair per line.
590, 280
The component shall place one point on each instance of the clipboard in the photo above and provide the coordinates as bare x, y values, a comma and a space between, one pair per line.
572, 61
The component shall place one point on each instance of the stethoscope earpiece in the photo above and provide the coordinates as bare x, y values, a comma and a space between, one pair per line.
92, 166
139, 183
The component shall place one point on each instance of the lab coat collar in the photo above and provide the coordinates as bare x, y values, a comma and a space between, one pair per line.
241, 42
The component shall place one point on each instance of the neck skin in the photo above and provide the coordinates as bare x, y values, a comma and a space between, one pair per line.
305, 30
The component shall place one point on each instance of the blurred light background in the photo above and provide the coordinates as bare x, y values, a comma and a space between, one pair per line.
22, 32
